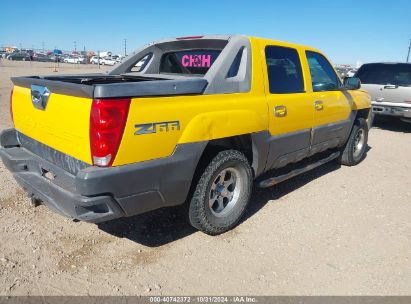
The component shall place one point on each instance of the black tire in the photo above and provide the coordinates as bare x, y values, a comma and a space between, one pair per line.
202, 213
353, 153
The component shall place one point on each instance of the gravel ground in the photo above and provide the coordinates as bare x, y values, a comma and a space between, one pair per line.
332, 231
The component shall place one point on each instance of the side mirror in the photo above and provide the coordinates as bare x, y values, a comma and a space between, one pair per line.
351, 83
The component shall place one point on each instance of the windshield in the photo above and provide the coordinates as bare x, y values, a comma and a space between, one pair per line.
380, 73
188, 61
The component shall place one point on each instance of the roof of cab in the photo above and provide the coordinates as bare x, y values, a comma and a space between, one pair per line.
283, 43
228, 37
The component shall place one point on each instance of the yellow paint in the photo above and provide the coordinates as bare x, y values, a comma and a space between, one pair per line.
361, 99
203, 117
64, 125
299, 106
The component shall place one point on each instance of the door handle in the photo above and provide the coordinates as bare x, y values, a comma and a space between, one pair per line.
319, 105
280, 111
391, 86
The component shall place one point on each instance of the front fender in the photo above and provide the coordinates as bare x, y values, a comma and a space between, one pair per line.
361, 99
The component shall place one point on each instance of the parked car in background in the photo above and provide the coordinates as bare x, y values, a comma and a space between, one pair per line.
56, 58
141, 64
117, 58
342, 71
108, 61
389, 85
63, 57
345, 71
70, 59
95, 60
42, 57
20, 56
351, 73
74, 59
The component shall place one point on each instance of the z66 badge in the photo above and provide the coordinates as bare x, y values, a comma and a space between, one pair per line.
154, 127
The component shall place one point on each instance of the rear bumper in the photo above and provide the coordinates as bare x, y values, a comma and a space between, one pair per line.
100, 194
391, 109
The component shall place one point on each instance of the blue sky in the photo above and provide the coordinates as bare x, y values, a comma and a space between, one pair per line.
347, 31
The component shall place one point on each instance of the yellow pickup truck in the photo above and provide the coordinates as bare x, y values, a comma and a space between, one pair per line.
191, 121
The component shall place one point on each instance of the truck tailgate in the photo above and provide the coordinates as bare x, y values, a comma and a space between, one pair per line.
63, 124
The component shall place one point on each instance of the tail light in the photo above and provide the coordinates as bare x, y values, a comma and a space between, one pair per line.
107, 122
11, 106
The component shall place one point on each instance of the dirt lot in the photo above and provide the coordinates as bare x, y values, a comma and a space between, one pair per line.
333, 231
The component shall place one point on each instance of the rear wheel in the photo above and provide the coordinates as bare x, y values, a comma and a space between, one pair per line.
221, 194
355, 148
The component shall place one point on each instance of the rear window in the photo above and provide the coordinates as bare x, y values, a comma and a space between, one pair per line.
396, 74
188, 61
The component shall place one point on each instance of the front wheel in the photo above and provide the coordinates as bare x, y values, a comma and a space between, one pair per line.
355, 148
222, 193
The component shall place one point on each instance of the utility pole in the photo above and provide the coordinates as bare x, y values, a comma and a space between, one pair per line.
75, 46
125, 47
409, 49
42, 44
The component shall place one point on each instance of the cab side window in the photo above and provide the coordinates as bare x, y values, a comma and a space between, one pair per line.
322, 73
284, 70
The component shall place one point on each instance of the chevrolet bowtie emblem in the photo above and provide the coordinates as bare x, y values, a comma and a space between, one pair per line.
39, 96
